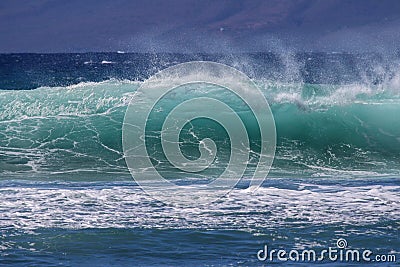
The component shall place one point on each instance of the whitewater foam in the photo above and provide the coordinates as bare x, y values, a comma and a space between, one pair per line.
77, 206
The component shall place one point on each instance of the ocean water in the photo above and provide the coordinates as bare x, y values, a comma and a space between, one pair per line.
67, 197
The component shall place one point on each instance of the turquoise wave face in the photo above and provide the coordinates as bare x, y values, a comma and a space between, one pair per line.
322, 130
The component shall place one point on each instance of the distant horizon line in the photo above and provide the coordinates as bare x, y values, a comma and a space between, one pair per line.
204, 53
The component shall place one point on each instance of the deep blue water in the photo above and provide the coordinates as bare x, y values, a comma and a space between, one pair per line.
68, 198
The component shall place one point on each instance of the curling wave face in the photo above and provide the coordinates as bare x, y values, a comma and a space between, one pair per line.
322, 130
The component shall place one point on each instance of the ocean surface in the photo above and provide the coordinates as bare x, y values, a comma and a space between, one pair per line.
68, 199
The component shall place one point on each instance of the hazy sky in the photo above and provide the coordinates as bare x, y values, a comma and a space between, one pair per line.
199, 26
